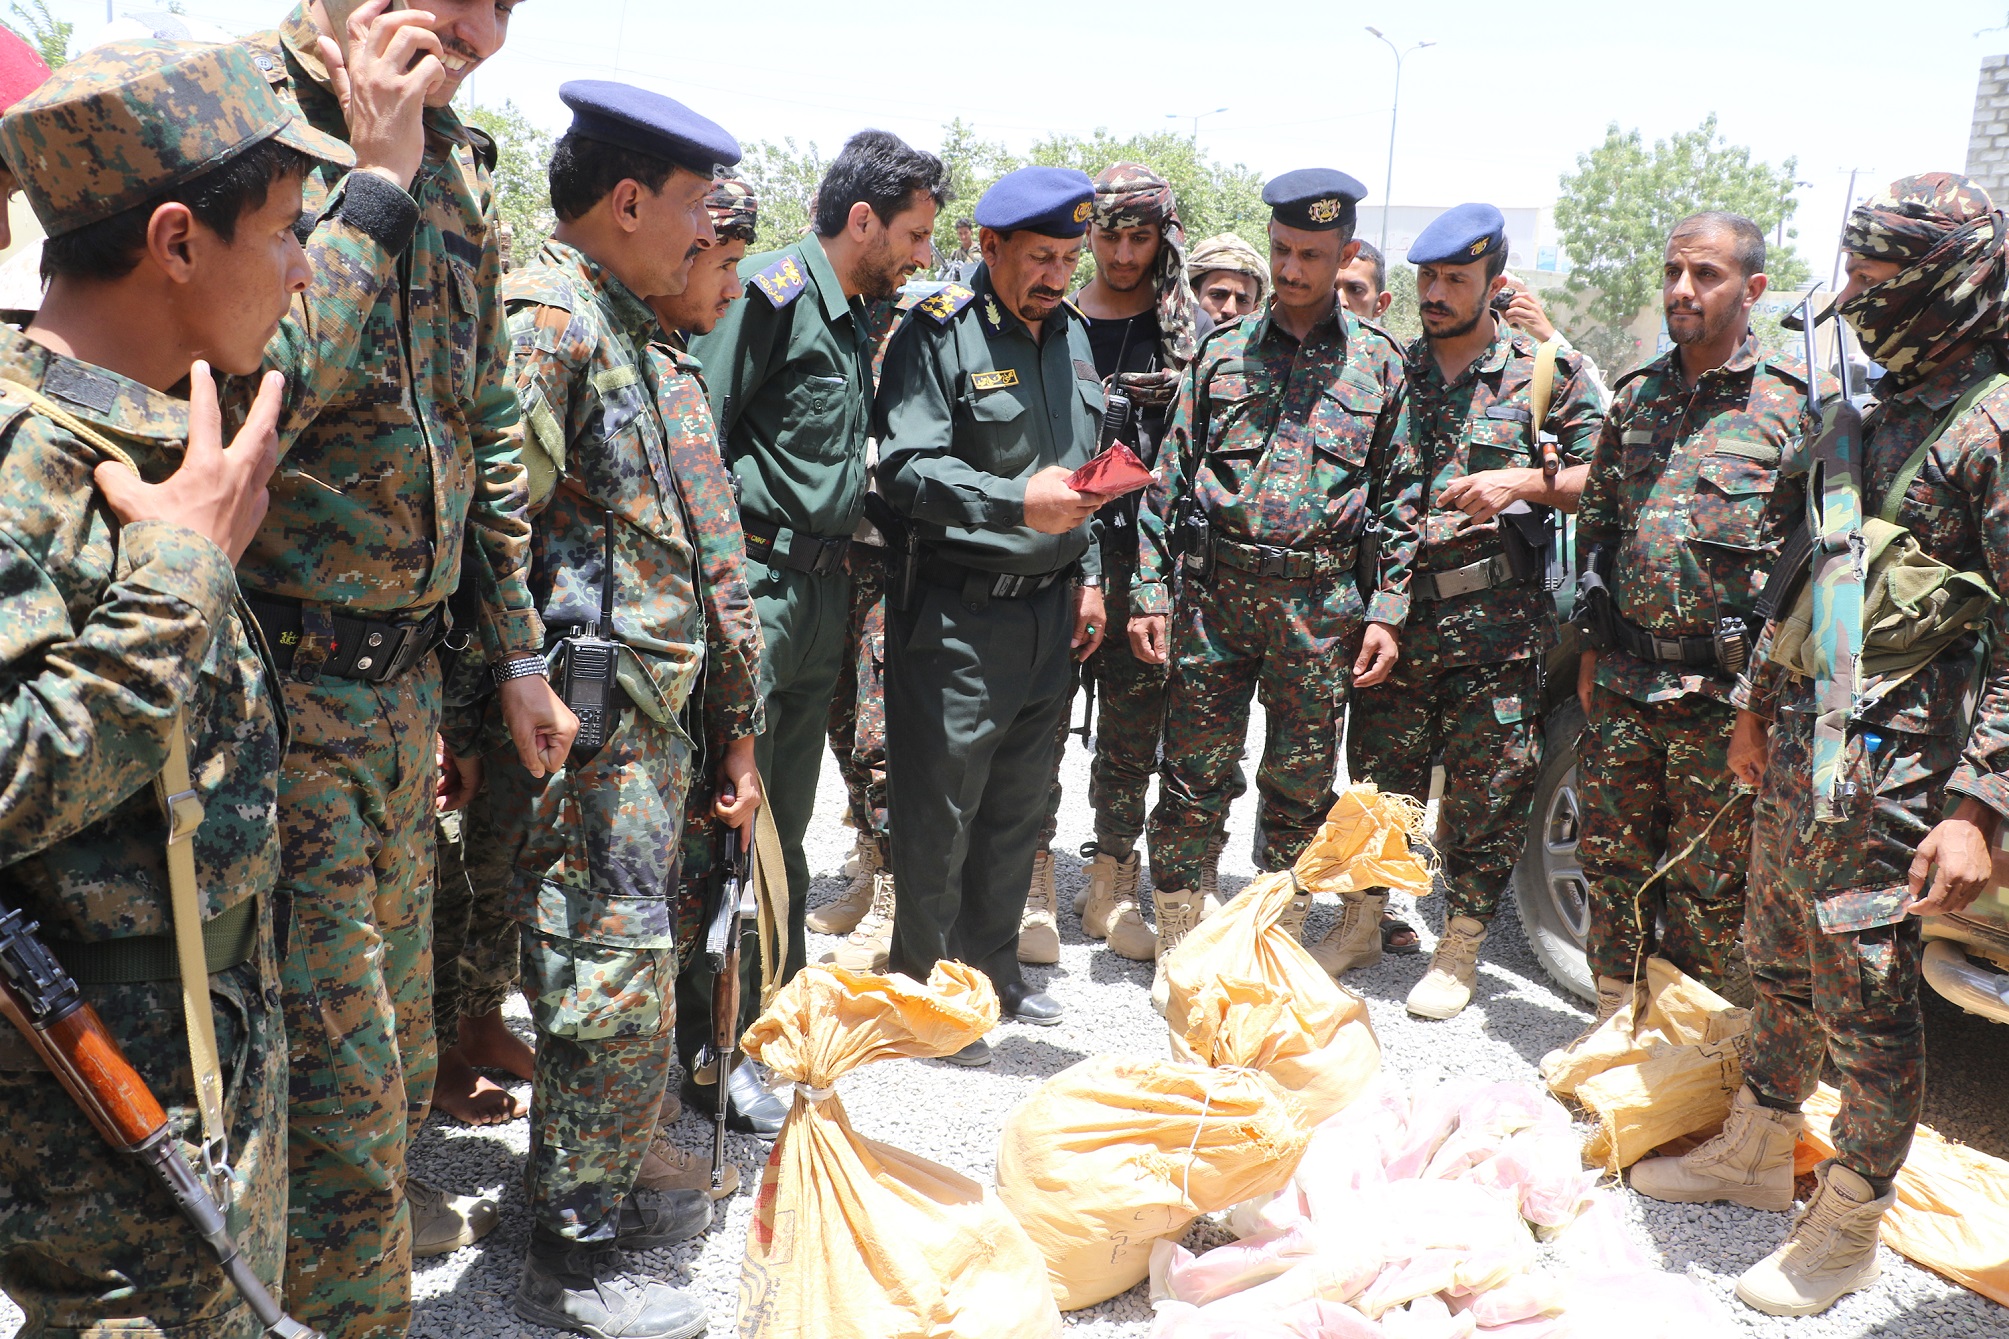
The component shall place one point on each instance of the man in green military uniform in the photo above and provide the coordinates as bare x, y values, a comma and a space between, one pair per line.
1504, 426
1687, 501
989, 400
168, 179
790, 376
407, 461
593, 848
1288, 446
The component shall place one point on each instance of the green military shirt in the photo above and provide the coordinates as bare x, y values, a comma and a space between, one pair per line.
789, 371
970, 407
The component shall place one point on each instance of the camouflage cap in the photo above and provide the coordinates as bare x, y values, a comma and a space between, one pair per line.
734, 208
125, 121
1228, 252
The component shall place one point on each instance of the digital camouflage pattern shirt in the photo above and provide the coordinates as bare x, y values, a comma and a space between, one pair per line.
1482, 421
108, 633
1299, 446
1693, 489
594, 450
414, 453
1958, 509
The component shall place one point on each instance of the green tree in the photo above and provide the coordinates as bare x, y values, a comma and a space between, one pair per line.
784, 178
1616, 210
1402, 319
522, 188
35, 25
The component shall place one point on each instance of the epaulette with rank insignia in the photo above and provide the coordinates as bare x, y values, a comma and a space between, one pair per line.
942, 305
782, 282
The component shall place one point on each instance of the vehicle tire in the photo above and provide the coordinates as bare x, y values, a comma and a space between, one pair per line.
1549, 885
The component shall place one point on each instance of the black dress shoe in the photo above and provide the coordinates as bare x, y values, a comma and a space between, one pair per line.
1026, 1005
750, 1107
974, 1056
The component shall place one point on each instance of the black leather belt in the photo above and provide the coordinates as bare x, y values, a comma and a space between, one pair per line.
371, 649
975, 582
778, 546
1689, 652
1485, 574
1265, 560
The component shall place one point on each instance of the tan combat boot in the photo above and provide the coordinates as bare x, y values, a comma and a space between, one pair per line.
1356, 941
1039, 927
1830, 1252
443, 1223
1178, 912
1291, 922
1210, 876
1750, 1163
1613, 994
842, 916
870, 943
1111, 911
1454, 969
667, 1167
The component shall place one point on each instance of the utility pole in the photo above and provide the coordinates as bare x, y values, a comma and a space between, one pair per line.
1388, 180
1195, 118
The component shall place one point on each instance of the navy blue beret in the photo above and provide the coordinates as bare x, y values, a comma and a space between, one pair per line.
1317, 199
1051, 201
649, 123
1460, 235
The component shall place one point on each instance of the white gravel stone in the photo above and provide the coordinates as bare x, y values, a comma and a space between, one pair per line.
953, 1116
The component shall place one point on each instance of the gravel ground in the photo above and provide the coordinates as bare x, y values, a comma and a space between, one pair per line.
953, 1116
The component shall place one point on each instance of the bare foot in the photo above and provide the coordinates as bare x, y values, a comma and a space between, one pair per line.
468, 1097
487, 1043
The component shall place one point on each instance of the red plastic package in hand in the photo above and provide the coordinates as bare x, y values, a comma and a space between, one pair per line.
1112, 474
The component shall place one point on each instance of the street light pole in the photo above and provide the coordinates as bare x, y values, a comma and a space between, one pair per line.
1388, 179
1195, 118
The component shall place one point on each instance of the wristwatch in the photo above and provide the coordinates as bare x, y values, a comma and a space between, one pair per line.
1091, 581
519, 666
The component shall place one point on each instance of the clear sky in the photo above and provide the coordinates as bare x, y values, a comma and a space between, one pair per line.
1497, 109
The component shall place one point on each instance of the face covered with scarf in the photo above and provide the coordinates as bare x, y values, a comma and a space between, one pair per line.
1947, 239
1130, 196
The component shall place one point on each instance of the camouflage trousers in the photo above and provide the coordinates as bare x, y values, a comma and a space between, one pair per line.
857, 726
474, 940
354, 918
1834, 956
90, 1242
1237, 634
1486, 721
1653, 777
593, 852
1129, 708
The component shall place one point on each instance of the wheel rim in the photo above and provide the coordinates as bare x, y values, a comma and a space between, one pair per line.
1562, 872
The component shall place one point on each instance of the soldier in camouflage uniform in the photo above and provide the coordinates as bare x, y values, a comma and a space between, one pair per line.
1481, 620
1143, 327
123, 631
730, 713
1685, 505
593, 848
1291, 439
1834, 907
409, 461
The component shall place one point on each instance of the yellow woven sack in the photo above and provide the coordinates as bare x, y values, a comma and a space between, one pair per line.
852, 1239
1111, 1154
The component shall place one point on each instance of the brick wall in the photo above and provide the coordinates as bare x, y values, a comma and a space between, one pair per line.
1988, 141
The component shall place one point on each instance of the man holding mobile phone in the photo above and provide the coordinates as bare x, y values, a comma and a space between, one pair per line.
409, 456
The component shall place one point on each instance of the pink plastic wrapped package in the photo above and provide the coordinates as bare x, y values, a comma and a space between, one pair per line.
1428, 1318
1442, 1236
1179, 1274
1433, 1115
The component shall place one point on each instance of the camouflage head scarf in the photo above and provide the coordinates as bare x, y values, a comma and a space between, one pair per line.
734, 208
1128, 195
1949, 237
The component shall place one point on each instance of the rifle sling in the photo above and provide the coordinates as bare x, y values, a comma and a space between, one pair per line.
1908, 475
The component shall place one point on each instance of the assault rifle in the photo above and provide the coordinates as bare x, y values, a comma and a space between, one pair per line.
722, 954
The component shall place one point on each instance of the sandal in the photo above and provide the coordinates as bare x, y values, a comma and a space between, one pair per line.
1397, 937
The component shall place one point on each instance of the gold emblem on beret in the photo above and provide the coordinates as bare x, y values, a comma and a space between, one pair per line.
1323, 211
1479, 246
1082, 211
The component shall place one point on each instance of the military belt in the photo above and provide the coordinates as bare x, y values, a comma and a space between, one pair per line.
778, 546
1485, 574
371, 649
977, 583
1691, 652
228, 940
1266, 560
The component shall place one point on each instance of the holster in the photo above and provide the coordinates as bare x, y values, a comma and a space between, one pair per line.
1594, 614
903, 554
1192, 539
1529, 535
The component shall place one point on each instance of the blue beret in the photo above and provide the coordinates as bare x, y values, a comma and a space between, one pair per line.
1052, 201
1460, 235
1314, 198
648, 123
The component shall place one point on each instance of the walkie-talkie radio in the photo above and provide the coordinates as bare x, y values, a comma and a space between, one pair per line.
592, 664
